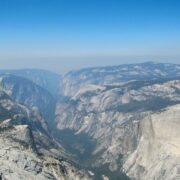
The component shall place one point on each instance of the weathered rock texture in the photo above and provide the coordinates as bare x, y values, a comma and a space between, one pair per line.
27, 149
132, 113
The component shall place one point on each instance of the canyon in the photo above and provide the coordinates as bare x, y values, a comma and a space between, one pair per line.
115, 122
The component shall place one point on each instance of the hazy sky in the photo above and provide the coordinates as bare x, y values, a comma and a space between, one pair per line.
68, 34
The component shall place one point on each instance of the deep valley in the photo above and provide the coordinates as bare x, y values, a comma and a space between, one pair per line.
115, 122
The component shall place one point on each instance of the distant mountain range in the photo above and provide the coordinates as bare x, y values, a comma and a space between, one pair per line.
115, 122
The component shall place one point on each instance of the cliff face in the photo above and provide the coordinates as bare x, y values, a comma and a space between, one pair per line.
157, 155
112, 115
125, 117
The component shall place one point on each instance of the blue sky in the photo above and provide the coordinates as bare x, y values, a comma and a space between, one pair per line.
68, 34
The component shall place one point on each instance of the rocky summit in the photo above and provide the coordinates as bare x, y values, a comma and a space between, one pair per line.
110, 123
27, 148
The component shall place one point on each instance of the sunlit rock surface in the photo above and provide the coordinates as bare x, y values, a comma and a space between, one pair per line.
27, 150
